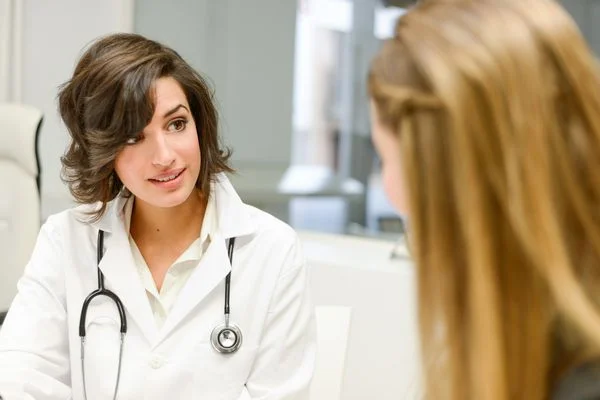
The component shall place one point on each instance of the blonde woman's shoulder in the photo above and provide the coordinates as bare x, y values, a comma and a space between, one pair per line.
581, 383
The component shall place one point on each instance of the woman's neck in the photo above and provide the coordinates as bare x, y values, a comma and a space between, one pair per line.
168, 225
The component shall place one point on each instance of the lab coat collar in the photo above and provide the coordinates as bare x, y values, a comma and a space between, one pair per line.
118, 266
121, 276
233, 220
208, 274
233, 217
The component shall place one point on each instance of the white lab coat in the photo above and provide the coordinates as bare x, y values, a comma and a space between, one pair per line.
270, 301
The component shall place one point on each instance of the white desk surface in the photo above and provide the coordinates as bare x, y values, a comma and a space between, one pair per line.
355, 252
382, 360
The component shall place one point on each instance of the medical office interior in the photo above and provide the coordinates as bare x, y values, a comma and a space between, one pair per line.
289, 77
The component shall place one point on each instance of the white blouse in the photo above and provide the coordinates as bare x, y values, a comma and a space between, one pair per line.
179, 272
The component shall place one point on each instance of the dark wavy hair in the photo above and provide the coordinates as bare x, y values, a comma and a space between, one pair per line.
110, 99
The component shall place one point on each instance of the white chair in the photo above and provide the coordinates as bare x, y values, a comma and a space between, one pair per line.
20, 199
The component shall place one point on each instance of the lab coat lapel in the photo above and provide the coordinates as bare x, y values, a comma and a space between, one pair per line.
209, 273
120, 274
233, 217
233, 220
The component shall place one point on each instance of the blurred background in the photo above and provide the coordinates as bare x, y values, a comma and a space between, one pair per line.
289, 78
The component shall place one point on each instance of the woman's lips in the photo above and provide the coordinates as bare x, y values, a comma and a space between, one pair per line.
169, 180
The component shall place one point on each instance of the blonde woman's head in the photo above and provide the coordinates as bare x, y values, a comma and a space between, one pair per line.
486, 114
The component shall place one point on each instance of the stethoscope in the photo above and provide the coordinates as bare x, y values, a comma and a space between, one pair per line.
225, 338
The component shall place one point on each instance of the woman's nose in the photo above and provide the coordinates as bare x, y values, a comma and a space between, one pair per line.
163, 153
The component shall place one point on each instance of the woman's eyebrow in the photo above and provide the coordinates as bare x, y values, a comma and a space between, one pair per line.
174, 109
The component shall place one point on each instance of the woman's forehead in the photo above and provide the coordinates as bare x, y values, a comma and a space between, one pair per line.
169, 97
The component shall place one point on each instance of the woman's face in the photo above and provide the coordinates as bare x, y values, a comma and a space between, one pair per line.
162, 165
387, 145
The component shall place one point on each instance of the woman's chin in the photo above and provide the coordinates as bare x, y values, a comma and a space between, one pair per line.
167, 200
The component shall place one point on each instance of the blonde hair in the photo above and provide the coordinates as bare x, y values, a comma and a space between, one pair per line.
497, 108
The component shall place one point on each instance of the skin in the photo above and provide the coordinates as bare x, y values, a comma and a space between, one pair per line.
387, 145
167, 217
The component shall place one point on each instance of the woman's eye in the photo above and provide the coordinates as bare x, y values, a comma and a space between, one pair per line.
178, 125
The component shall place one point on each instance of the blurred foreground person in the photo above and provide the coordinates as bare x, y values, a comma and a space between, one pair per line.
486, 115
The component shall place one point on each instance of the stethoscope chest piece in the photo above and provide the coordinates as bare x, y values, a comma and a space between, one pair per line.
226, 338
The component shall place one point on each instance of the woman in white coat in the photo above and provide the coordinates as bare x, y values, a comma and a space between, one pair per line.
159, 214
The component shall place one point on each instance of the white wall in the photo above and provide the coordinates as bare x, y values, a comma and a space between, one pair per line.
10, 27
54, 34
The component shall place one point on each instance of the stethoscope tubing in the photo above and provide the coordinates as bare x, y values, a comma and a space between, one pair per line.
102, 291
